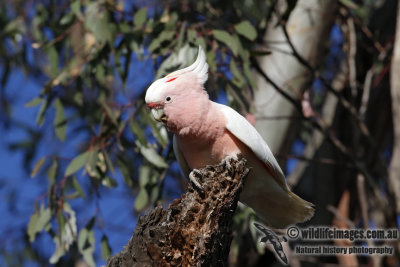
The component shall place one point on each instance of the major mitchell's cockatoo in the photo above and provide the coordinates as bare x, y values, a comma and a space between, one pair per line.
205, 133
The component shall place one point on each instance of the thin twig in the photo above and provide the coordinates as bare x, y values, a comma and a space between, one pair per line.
366, 92
352, 57
345, 103
362, 198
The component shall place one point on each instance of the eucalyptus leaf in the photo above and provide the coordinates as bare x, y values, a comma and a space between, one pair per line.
34, 102
60, 122
42, 111
142, 200
86, 247
105, 248
38, 221
53, 59
152, 156
140, 17
137, 130
226, 38
144, 176
126, 174
78, 187
66, 235
38, 165
108, 162
77, 163
247, 30
162, 37
52, 172
97, 21
238, 78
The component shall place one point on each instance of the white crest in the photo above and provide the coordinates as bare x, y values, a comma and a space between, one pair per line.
199, 67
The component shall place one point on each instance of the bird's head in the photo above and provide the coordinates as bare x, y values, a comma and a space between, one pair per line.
169, 96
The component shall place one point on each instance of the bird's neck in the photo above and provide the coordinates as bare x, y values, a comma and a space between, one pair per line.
198, 121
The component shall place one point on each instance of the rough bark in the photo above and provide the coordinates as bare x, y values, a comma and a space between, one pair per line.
195, 230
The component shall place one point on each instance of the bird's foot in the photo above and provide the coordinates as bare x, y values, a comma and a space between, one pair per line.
193, 179
227, 162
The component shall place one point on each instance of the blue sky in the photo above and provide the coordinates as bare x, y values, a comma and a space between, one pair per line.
18, 192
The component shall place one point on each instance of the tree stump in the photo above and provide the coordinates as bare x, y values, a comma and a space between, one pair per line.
195, 230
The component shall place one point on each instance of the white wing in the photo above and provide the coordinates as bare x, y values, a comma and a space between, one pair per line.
181, 159
245, 132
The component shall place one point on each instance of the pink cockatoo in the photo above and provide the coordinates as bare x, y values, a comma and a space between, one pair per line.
205, 133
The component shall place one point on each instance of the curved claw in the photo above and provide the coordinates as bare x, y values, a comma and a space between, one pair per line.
227, 163
193, 179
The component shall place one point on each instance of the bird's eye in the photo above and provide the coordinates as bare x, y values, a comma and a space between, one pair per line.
168, 99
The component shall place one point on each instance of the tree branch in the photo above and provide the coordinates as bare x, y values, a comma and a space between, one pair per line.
195, 230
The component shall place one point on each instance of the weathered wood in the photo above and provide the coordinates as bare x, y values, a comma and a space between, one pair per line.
195, 230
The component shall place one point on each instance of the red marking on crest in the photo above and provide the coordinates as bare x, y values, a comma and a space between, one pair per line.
170, 80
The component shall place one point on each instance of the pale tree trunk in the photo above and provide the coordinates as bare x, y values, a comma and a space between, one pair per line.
308, 28
394, 173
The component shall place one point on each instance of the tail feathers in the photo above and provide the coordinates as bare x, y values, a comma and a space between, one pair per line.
287, 211
302, 209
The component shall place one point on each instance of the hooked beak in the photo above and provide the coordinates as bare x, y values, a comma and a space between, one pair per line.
158, 112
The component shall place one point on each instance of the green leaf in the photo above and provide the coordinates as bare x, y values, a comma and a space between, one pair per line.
238, 78
248, 74
192, 36
111, 114
34, 102
181, 36
152, 156
144, 176
137, 130
125, 172
176, 60
142, 200
212, 61
60, 123
105, 248
42, 111
67, 19
155, 192
108, 162
164, 36
97, 21
76, 8
78, 187
247, 30
39, 221
52, 173
227, 39
86, 245
53, 59
140, 17
66, 234
32, 226
77, 163
37, 166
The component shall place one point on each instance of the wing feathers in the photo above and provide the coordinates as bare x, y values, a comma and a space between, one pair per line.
181, 159
246, 133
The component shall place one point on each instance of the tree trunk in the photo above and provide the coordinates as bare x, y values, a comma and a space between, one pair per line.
394, 172
195, 230
308, 27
